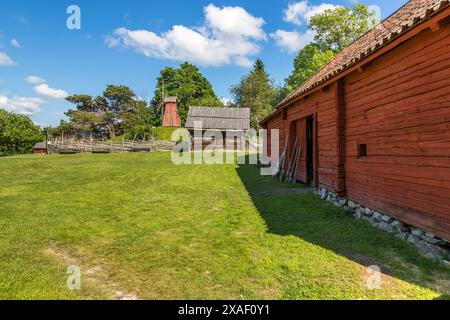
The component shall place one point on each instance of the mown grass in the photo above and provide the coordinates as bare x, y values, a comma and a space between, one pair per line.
138, 224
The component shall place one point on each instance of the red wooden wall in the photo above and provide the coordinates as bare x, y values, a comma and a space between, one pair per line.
171, 117
399, 105
276, 123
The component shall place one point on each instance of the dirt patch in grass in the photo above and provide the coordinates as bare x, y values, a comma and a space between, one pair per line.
94, 275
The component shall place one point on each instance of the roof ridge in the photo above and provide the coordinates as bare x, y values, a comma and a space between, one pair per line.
233, 108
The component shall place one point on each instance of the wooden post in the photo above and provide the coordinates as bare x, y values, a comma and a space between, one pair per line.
286, 132
340, 136
46, 141
316, 151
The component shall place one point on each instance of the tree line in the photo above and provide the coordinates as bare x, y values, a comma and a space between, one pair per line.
334, 28
118, 111
18, 134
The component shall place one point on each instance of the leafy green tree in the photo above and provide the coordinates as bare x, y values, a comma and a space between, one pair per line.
18, 134
117, 101
337, 28
139, 120
87, 115
116, 110
64, 127
307, 63
119, 98
190, 87
257, 92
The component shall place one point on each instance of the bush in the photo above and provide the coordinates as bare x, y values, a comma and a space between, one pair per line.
164, 133
141, 131
18, 134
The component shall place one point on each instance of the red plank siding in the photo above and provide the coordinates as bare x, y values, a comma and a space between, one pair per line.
399, 106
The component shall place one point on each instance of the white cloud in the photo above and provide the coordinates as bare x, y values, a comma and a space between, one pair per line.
6, 60
300, 13
45, 90
234, 22
15, 43
21, 105
243, 62
226, 101
230, 35
377, 11
35, 80
292, 41
111, 41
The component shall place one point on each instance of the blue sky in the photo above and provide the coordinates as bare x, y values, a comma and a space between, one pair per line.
129, 41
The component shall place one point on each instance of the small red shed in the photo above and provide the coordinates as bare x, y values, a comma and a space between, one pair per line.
40, 148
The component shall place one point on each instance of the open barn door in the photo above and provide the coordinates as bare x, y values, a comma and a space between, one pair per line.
301, 155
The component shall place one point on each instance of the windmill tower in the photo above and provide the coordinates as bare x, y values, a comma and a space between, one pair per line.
171, 118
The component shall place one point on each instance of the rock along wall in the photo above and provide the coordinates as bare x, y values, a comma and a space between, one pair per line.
428, 244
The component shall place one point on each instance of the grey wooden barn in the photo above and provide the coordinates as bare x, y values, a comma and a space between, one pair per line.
232, 123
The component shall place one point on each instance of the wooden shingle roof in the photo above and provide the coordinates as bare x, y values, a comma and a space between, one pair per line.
170, 99
219, 118
407, 17
40, 145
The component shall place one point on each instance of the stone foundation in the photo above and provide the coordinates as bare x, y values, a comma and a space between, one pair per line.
428, 244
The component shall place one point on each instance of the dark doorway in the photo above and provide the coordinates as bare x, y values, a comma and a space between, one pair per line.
310, 149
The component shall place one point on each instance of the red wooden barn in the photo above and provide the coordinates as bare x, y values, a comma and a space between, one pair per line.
374, 124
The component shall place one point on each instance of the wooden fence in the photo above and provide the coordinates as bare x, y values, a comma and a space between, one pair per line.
88, 146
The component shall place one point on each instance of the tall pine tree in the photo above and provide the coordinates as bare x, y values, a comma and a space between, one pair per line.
257, 92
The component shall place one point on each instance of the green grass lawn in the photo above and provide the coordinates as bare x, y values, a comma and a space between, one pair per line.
138, 226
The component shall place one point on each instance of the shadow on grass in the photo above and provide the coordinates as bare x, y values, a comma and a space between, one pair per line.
306, 216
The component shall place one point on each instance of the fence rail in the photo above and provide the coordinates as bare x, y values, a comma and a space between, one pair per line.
88, 146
